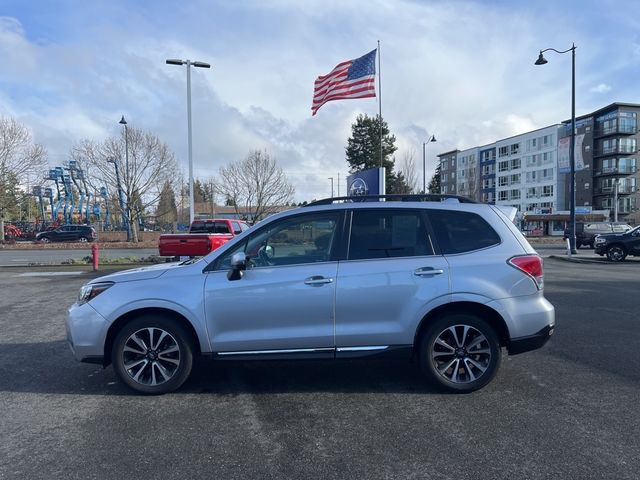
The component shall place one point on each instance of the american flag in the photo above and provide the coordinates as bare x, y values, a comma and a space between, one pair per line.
350, 79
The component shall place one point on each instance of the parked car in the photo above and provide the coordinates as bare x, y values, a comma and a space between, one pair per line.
616, 246
449, 283
68, 233
204, 236
586, 231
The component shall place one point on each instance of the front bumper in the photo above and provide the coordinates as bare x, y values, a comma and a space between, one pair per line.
86, 333
601, 248
530, 342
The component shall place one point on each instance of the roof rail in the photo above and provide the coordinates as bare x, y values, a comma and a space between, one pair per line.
395, 197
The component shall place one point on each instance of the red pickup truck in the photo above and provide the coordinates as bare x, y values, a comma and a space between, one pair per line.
204, 236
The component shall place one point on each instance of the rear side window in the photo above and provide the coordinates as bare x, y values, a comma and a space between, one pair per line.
388, 233
236, 228
210, 227
459, 232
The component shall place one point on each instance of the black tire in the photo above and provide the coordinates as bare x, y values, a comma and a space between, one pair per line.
83, 239
475, 368
44, 239
165, 361
616, 253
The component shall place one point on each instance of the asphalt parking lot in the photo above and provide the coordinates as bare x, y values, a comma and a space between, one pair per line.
568, 411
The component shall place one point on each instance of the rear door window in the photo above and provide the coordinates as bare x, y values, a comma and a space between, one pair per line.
460, 232
388, 233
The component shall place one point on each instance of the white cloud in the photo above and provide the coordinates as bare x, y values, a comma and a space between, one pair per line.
601, 88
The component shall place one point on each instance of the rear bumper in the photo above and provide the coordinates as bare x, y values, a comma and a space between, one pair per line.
530, 342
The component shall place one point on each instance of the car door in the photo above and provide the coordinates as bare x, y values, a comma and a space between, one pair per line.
63, 234
388, 282
634, 243
284, 302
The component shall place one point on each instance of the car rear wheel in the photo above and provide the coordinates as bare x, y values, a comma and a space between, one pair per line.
83, 239
460, 353
152, 355
44, 239
616, 253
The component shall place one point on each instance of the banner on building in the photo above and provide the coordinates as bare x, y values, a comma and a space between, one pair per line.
564, 154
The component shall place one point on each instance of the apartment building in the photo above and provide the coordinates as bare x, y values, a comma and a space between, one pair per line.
531, 171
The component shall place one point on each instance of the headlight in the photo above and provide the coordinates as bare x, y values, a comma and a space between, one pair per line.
600, 240
92, 290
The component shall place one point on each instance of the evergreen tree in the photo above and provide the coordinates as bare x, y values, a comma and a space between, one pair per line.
167, 210
363, 150
199, 191
434, 184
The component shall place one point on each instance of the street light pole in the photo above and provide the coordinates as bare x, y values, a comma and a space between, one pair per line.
125, 176
189, 64
432, 138
572, 154
331, 178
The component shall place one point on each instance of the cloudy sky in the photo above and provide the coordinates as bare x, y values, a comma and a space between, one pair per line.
462, 70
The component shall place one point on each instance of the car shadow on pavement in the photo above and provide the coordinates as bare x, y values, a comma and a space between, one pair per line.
49, 367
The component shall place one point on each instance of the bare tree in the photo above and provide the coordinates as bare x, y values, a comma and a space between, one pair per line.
149, 167
19, 158
409, 171
256, 183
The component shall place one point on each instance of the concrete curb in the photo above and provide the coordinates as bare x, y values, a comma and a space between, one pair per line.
597, 261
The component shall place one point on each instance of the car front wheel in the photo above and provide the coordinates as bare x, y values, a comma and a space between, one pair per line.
460, 353
616, 253
152, 355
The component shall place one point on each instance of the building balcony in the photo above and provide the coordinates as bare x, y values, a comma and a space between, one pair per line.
609, 191
622, 209
617, 130
615, 150
604, 171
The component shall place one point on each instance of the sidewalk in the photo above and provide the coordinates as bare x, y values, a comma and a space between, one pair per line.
588, 256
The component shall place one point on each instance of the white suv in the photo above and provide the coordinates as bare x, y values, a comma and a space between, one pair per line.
445, 281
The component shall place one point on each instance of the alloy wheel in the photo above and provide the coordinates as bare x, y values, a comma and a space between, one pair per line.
461, 354
616, 253
151, 356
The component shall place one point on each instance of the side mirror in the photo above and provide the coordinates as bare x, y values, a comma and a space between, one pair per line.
238, 265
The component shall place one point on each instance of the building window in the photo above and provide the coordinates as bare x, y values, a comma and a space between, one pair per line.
514, 179
515, 164
503, 166
515, 148
502, 195
514, 194
503, 151
547, 191
503, 181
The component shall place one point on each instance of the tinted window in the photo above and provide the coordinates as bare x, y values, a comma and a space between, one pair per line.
210, 227
459, 232
289, 241
388, 233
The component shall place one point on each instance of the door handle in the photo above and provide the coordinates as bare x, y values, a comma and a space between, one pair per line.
428, 271
317, 280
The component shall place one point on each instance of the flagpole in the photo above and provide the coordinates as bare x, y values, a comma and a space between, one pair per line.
380, 101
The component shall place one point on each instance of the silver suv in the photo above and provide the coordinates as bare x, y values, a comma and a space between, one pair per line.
445, 281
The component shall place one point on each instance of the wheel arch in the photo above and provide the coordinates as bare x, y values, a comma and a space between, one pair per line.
121, 321
471, 308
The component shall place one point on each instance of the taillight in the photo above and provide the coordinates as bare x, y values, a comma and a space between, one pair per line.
531, 265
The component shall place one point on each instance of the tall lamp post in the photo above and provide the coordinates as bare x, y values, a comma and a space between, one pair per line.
125, 176
432, 138
572, 154
189, 64
331, 178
